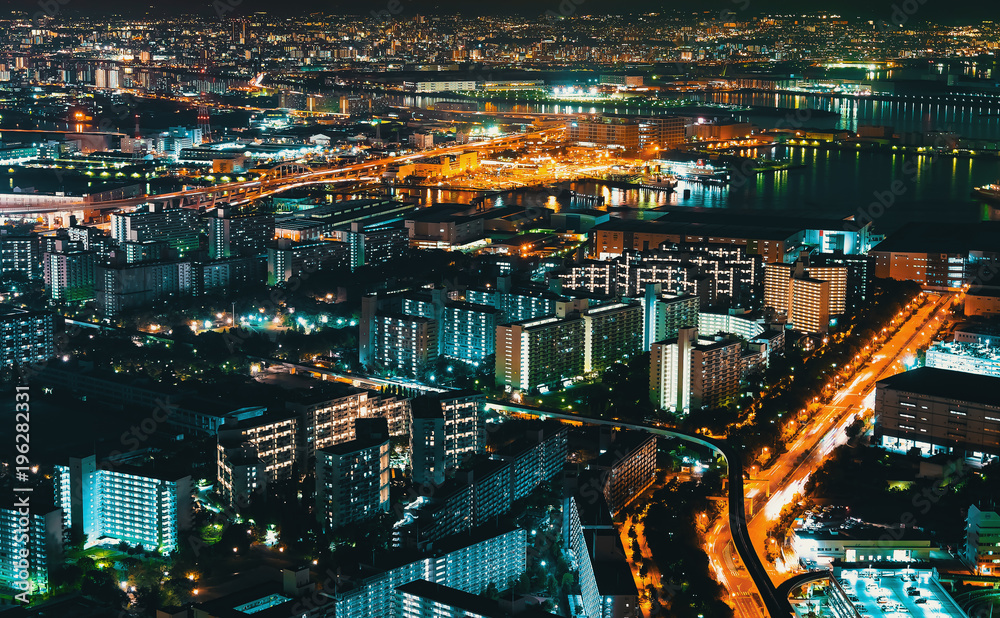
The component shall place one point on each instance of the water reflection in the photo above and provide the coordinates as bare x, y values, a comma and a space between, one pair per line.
834, 182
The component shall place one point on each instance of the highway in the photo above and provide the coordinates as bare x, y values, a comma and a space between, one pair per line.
775, 605
248, 190
826, 431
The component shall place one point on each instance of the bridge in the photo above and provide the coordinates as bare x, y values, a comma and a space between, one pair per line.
776, 603
284, 177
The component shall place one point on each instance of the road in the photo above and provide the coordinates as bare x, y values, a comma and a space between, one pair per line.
237, 192
826, 431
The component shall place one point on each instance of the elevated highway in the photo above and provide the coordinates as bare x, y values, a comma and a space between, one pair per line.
777, 606
282, 178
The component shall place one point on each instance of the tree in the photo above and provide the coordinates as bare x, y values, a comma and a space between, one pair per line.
491, 592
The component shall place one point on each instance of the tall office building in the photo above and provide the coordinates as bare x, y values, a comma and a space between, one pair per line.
352, 478
137, 505
232, 233
178, 226
445, 429
670, 371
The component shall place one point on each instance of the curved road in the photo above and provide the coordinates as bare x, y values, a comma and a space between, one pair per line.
776, 605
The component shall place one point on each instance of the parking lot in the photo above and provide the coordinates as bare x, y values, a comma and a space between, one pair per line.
884, 593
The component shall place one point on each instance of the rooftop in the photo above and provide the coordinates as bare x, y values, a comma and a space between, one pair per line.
943, 237
948, 384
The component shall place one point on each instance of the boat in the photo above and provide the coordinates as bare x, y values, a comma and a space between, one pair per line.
989, 193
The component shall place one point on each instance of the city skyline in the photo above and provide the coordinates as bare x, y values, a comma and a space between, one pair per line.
505, 311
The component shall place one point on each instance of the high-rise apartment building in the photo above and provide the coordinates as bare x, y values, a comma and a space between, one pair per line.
405, 344
234, 234
612, 333
468, 332
717, 370
982, 540
539, 457
69, 275
26, 336
288, 260
445, 429
272, 436
241, 473
352, 478
423, 599
138, 505
485, 492
468, 562
688, 373
31, 541
539, 352
515, 304
20, 254
178, 226
665, 314
807, 296
670, 371
627, 468
327, 415
122, 287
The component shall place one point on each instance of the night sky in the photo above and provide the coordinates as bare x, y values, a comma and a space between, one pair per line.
871, 9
